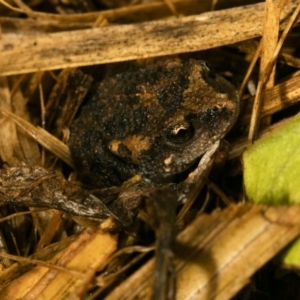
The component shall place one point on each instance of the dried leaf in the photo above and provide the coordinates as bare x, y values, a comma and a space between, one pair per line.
110, 44
89, 252
214, 252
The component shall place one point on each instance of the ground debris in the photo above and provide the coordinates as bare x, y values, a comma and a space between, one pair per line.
38, 187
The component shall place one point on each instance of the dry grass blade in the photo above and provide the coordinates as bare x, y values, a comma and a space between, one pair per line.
269, 38
254, 123
209, 267
19, 268
43, 137
110, 44
198, 176
9, 144
250, 70
290, 60
89, 252
42, 263
11, 7
277, 98
134, 13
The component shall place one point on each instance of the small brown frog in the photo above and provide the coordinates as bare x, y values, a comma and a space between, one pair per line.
151, 119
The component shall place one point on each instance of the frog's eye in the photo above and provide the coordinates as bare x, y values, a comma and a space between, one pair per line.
180, 133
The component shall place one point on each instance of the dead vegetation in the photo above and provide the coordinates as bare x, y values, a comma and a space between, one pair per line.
49, 254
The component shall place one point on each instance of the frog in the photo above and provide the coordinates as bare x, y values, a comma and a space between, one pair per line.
155, 119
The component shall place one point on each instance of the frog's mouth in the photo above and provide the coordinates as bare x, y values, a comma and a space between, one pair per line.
177, 174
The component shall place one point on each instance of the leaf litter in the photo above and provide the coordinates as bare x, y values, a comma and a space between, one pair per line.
38, 43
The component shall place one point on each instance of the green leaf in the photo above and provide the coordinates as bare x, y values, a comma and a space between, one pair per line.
272, 174
291, 255
272, 166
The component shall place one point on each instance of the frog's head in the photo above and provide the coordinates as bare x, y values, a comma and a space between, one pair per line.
194, 108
